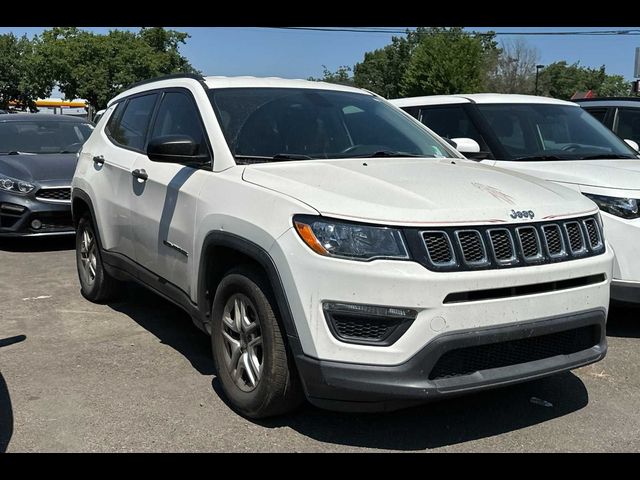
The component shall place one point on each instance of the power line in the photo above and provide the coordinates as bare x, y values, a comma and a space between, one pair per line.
630, 32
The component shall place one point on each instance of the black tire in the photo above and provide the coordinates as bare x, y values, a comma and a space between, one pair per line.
278, 389
103, 287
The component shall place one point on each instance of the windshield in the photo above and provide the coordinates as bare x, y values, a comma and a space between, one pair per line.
273, 124
551, 132
42, 136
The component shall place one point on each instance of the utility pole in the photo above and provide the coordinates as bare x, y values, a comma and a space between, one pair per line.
538, 67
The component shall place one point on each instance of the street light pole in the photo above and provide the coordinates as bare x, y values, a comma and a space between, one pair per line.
538, 67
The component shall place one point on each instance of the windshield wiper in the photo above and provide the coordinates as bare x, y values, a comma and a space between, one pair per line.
390, 153
276, 158
608, 155
537, 158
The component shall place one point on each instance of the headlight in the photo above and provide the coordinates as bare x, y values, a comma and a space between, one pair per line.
349, 240
16, 186
628, 208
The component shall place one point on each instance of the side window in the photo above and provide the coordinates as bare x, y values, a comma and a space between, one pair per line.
628, 124
114, 120
451, 122
178, 115
599, 113
129, 129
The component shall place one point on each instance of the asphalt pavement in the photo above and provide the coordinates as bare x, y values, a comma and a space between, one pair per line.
136, 375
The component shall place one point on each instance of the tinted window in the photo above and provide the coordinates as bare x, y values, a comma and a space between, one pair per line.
130, 128
598, 113
451, 122
260, 123
178, 115
43, 136
556, 132
629, 124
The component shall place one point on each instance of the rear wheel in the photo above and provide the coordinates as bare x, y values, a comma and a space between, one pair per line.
253, 365
95, 282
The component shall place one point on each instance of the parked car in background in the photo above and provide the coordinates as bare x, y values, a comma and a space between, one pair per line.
333, 247
557, 141
98, 116
620, 114
38, 154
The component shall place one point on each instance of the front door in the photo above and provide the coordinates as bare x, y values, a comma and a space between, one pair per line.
164, 203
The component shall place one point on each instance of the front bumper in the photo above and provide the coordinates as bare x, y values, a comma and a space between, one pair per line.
625, 291
18, 211
343, 386
310, 280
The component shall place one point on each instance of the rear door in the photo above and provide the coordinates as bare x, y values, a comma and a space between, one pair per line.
124, 138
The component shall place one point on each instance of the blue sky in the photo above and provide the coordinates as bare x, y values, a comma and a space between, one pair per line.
300, 54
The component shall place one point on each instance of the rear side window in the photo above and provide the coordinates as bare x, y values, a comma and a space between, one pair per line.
178, 115
129, 127
599, 113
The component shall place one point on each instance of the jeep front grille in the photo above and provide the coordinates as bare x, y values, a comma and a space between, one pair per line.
451, 249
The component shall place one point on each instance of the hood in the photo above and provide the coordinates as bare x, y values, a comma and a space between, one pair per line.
620, 174
39, 167
411, 191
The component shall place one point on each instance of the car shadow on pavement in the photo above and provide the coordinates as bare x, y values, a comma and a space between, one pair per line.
6, 416
38, 244
623, 321
446, 422
433, 425
6, 409
170, 324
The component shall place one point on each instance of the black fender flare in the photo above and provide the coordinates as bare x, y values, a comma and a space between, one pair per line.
262, 257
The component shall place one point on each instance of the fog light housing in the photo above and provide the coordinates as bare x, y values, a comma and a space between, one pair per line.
36, 224
367, 324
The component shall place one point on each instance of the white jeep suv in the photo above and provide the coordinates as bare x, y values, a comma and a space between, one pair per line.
332, 247
557, 141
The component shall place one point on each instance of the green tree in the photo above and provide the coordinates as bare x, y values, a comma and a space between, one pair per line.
561, 80
341, 76
448, 61
382, 70
98, 67
21, 73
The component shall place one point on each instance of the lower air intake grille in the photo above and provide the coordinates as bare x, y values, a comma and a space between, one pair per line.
465, 361
351, 327
56, 194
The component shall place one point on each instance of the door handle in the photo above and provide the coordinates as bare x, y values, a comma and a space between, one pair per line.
140, 174
98, 160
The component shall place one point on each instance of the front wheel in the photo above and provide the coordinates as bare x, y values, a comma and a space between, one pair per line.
249, 351
95, 282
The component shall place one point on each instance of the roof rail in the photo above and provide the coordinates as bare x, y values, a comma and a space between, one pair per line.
194, 76
608, 99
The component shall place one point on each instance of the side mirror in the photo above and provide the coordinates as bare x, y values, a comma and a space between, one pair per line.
466, 145
632, 144
175, 149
